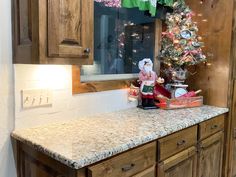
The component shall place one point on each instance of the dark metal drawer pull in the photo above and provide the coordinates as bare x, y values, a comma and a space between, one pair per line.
180, 143
128, 167
87, 50
214, 127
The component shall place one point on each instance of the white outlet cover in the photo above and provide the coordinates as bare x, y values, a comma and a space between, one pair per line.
36, 98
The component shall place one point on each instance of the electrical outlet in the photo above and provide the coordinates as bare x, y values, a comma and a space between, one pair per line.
36, 98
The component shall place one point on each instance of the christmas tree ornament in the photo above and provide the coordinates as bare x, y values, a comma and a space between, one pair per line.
180, 45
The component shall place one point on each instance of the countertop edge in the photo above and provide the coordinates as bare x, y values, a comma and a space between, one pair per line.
115, 151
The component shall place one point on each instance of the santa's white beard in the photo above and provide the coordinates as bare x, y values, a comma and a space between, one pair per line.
148, 69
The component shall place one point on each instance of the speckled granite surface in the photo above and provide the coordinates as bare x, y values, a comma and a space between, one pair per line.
89, 140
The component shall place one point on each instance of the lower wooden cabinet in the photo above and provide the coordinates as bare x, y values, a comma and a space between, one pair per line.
183, 164
203, 157
31, 163
127, 164
234, 160
211, 156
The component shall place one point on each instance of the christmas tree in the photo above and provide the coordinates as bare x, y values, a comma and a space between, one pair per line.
180, 45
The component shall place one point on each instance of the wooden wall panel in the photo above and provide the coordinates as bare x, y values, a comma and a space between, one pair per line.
214, 18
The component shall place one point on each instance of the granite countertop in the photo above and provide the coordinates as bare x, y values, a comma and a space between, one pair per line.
91, 139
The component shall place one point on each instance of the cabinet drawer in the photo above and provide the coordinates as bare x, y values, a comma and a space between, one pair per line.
211, 127
126, 164
150, 172
177, 142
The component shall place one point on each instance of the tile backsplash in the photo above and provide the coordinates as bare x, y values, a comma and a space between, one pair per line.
65, 105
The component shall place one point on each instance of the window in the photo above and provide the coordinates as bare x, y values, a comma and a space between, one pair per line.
122, 37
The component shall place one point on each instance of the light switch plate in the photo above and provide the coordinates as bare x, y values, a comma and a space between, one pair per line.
36, 98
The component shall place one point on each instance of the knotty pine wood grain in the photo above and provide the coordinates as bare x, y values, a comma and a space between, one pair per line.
214, 20
31, 163
176, 142
179, 165
211, 127
46, 31
210, 157
231, 126
98, 86
232, 146
150, 172
135, 161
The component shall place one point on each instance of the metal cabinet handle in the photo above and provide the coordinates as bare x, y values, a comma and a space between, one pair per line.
214, 127
87, 50
128, 167
180, 143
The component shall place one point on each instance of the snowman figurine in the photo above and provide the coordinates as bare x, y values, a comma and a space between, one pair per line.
147, 79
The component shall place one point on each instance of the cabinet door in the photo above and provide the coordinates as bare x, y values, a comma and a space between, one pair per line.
233, 145
211, 156
234, 160
23, 31
31, 163
70, 28
30, 167
183, 164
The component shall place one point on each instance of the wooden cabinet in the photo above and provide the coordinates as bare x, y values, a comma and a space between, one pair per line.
179, 165
234, 159
232, 151
176, 161
178, 154
31, 163
211, 156
177, 142
127, 164
53, 31
150, 172
193, 152
211, 127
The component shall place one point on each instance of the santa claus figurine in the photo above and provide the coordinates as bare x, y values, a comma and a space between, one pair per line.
147, 79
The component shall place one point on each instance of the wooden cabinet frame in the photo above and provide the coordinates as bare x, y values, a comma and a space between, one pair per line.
85, 87
46, 32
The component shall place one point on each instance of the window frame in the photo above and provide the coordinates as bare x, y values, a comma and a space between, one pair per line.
79, 87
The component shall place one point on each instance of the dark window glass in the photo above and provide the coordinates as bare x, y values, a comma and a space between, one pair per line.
122, 38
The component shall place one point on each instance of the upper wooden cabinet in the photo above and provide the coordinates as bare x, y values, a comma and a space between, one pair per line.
53, 31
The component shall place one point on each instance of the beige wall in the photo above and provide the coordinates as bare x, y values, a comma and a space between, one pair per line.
65, 105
